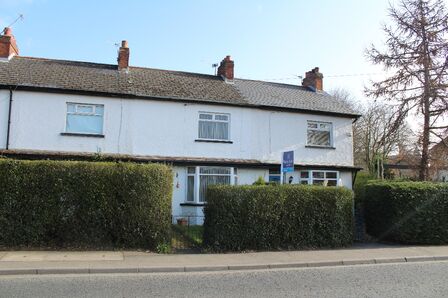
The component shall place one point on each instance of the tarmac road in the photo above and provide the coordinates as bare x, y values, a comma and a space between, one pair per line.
426, 279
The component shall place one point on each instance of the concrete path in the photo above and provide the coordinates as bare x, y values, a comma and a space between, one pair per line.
60, 262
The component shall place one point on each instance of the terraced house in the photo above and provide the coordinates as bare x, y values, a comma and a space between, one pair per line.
211, 128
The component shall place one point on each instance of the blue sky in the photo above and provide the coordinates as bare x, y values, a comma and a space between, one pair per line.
269, 40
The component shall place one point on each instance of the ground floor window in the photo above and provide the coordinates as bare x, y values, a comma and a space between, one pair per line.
274, 176
199, 178
319, 177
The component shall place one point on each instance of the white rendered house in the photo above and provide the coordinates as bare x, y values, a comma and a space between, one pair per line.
211, 129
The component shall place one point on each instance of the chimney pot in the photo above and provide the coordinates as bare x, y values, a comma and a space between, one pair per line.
123, 56
313, 79
226, 68
8, 46
8, 31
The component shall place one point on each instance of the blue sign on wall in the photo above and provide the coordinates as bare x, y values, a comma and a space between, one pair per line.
288, 161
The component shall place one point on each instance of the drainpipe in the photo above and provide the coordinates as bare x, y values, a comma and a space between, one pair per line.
354, 179
8, 131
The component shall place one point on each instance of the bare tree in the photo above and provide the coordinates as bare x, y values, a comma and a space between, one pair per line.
416, 57
349, 100
376, 135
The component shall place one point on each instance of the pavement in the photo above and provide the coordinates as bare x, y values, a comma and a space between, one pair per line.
90, 262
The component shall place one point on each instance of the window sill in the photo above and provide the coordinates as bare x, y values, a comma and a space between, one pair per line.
319, 147
74, 134
214, 141
193, 204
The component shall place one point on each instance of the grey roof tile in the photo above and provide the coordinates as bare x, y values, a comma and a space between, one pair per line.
147, 82
290, 96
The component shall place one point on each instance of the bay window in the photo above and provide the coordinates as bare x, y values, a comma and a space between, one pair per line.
318, 177
274, 176
199, 178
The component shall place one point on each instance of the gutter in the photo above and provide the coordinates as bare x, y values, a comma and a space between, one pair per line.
177, 99
250, 163
8, 130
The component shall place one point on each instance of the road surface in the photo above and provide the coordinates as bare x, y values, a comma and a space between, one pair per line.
427, 279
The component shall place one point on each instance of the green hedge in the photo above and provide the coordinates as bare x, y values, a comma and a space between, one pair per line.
273, 217
407, 212
84, 204
362, 179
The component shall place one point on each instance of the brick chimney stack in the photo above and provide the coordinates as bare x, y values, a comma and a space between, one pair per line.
8, 46
225, 69
123, 56
313, 79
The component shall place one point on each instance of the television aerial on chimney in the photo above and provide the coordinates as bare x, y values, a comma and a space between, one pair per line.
117, 46
215, 65
20, 17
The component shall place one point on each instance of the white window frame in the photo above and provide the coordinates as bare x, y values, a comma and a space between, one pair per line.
197, 176
319, 129
77, 105
310, 178
214, 114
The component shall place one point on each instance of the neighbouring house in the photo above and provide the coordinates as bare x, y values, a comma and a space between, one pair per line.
439, 161
404, 165
211, 128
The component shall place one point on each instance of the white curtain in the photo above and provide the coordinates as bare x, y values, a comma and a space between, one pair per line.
213, 130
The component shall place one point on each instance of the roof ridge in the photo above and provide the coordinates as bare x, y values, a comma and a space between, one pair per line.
177, 71
150, 68
291, 85
156, 69
277, 83
87, 63
63, 60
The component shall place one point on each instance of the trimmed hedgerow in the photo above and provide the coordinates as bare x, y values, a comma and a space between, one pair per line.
362, 179
84, 204
241, 218
407, 212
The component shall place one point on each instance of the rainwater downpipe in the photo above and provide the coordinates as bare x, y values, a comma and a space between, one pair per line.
8, 130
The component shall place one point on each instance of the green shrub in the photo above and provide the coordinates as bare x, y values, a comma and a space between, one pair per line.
84, 204
407, 212
287, 216
259, 181
362, 178
163, 248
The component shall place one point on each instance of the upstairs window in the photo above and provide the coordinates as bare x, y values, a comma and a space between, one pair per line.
320, 134
84, 118
213, 126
